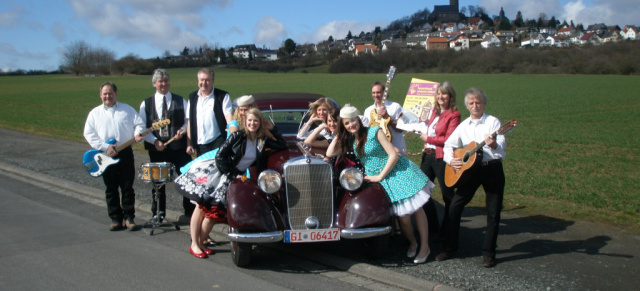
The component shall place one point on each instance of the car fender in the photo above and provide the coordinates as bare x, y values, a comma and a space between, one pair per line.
370, 206
249, 209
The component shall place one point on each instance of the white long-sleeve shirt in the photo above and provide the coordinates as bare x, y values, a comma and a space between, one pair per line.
120, 122
207, 125
150, 138
475, 130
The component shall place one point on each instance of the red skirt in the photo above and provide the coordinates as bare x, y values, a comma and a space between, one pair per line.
217, 213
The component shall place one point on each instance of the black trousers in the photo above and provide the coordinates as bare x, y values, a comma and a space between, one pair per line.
434, 168
178, 158
119, 178
491, 177
216, 143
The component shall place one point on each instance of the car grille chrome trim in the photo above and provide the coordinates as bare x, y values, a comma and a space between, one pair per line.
309, 186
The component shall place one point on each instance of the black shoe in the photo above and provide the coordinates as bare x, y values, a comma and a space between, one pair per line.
115, 224
130, 224
444, 255
488, 261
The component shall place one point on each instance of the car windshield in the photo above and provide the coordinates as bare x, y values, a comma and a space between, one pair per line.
287, 121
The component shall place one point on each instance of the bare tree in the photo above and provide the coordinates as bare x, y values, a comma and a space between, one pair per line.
80, 58
75, 57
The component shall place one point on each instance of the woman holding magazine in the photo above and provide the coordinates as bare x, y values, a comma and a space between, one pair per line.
441, 122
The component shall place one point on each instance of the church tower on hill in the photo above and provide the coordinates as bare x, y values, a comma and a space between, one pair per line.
447, 13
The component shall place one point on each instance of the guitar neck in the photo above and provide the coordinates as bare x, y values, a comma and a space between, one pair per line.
480, 145
386, 90
130, 142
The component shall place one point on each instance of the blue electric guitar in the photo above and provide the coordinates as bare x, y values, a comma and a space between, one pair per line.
97, 161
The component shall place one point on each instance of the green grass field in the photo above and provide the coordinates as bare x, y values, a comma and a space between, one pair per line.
574, 154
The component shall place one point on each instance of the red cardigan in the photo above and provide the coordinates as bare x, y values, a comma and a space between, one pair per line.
446, 125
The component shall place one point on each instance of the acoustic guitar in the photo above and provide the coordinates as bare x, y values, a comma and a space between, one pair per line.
96, 162
468, 155
375, 118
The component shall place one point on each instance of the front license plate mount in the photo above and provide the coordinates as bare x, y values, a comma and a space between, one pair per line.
311, 235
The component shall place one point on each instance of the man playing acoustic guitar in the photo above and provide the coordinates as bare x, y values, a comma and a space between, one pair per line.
489, 173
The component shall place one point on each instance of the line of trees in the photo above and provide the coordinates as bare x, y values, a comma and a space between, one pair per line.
620, 58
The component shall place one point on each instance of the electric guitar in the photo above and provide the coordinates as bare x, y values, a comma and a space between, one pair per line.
468, 156
375, 118
97, 161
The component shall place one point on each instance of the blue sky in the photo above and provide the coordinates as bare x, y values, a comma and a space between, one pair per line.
35, 33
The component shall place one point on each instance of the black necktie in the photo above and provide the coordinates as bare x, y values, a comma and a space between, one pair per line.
164, 107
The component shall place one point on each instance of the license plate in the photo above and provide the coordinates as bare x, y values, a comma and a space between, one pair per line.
311, 235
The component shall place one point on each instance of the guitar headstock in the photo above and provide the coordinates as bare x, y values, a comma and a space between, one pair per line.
506, 128
391, 74
160, 124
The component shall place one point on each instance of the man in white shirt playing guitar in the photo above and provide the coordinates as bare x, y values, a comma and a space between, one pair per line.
119, 121
478, 128
385, 109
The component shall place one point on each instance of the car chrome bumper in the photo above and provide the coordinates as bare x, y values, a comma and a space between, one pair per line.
260, 237
364, 232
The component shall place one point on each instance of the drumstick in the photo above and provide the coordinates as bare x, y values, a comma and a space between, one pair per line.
180, 133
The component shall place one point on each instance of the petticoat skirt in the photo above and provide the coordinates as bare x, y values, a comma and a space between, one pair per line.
412, 204
204, 184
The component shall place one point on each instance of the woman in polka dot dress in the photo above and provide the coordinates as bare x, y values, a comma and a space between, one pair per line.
407, 187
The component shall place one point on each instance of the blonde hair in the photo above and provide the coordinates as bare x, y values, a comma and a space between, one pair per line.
313, 107
236, 113
446, 88
261, 132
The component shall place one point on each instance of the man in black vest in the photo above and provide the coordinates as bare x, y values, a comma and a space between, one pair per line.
160, 106
209, 110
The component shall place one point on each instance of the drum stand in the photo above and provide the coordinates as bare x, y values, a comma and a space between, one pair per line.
154, 222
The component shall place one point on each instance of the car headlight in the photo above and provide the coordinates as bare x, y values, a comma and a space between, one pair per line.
269, 181
351, 179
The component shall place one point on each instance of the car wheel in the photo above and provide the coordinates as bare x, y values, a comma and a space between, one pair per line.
377, 246
240, 252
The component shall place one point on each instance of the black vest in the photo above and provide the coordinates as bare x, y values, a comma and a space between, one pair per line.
218, 96
175, 112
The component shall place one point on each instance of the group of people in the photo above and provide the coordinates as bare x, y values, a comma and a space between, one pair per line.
227, 143
408, 186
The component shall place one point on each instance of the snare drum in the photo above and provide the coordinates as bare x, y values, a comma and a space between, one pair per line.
156, 172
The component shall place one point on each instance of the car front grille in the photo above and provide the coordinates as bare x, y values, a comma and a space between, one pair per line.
309, 187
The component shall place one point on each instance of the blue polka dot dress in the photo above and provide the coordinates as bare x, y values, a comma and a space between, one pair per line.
407, 186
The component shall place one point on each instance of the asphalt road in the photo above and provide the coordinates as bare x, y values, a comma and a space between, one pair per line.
534, 252
54, 241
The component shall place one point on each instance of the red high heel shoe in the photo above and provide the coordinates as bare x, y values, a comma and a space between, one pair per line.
208, 251
199, 256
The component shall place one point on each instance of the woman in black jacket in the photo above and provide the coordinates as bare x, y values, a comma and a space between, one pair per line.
207, 180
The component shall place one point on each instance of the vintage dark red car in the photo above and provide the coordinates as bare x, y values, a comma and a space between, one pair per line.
300, 197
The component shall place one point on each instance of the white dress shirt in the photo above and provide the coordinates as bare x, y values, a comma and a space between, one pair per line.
431, 129
207, 125
120, 122
475, 130
150, 138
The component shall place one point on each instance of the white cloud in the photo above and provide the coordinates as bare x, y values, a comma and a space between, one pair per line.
620, 12
613, 12
12, 17
8, 49
529, 9
340, 28
164, 24
269, 32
